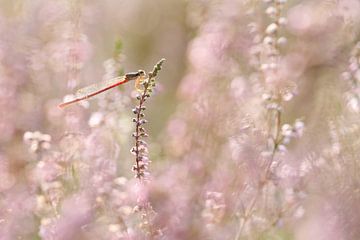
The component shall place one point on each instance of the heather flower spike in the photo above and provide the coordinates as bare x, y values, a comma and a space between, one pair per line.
140, 150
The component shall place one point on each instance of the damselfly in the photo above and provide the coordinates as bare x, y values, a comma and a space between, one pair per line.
97, 88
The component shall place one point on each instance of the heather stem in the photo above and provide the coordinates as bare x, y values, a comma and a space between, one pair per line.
139, 173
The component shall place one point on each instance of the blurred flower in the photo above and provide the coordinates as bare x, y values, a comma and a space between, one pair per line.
7, 179
214, 208
68, 53
96, 119
37, 141
69, 224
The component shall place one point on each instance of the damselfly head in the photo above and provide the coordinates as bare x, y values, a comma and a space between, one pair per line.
141, 73
135, 75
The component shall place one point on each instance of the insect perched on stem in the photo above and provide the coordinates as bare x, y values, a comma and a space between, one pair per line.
97, 88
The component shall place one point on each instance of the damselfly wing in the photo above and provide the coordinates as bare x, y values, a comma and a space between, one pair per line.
97, 88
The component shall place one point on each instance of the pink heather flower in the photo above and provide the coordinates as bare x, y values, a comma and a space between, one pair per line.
48, 171
301, 18
99, 139
206, 51
17, 206
65, 54
191, 85
137, 192
76, 213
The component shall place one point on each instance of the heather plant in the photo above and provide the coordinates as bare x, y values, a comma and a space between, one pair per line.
250, 131
140, 150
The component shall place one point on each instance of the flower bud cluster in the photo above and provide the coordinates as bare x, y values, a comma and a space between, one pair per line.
140, 149
271, 102
291, 131
37, 141
288, 132
214, 209
272, 41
